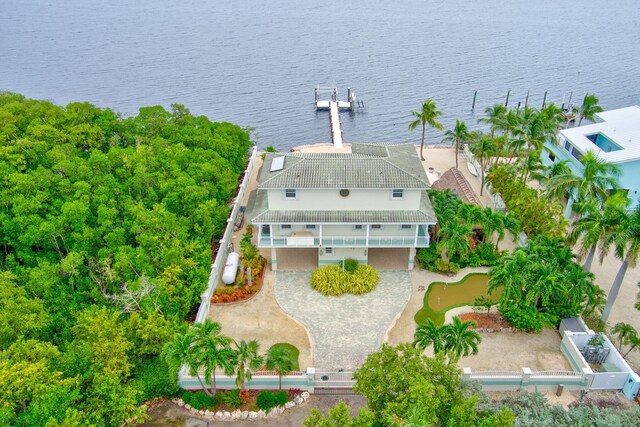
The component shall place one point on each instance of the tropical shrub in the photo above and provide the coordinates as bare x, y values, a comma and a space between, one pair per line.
266, 400
541, 284
280, 398
198, 400
333, 281
154, 380
232, 398
350, 265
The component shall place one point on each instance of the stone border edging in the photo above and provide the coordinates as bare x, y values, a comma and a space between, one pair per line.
243, 415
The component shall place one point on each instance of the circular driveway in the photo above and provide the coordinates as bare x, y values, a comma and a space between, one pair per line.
345, 329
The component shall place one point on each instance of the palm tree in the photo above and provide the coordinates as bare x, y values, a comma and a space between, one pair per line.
492, 221
623, 331
180, 352
424, 117
454, 239
427, 334
589, 108
496, 118
247, 360
212, 351
280, 359
595, 182
460, 340
457, 137
593, 228
626, 242
512, 225
596, 299
484, 149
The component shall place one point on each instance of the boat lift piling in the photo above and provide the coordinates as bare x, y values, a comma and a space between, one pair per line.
334, 106
506, 102
473, 105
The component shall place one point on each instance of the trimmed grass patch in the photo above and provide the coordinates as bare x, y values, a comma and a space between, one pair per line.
293, 350
443, 296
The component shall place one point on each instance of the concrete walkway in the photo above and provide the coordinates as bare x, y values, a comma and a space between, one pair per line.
344, 330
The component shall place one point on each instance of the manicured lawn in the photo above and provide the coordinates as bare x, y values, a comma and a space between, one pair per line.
294, 352
442, 296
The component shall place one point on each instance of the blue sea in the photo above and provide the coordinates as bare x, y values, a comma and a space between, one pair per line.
256, 63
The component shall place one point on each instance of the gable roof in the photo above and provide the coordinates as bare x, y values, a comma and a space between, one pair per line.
456, 182
367, 166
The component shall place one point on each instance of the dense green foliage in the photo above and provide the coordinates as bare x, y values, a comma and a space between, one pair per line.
267, 400
106, 245
464, 235
333, 280
405, 387
541, 284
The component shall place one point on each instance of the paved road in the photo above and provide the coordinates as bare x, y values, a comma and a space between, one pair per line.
345, 329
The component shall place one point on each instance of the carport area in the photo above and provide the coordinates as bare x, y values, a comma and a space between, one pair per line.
297, 259
389, 258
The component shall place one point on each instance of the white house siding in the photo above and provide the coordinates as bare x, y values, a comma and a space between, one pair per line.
330, 200
338, 254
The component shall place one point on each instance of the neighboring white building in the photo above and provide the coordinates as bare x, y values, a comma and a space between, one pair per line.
615, 138
343, 205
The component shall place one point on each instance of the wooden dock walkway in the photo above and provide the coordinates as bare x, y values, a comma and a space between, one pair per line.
336, 124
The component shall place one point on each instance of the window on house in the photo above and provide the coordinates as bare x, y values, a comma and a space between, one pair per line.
357, 227
290, 193
310, 226
285, 226
552, 157
405, 227
575, 153
266, 229
376, 227
328, 251
567, 145
397, 193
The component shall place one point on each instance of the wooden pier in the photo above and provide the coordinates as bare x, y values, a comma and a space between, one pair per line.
336, 124
326, 98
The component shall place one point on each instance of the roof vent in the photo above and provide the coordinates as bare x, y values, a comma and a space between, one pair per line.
277, 164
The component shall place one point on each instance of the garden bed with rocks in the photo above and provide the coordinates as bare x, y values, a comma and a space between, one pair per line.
248, 410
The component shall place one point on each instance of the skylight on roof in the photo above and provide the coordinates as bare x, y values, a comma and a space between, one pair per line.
277, 164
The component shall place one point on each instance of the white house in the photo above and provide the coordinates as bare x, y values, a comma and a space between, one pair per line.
615, 138
333, 206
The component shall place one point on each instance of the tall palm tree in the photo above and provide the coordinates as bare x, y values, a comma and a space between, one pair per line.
484, 149
626, 242
460, 339
212, 351
492, 221
281, 360
589, 108
623, 331
427, 334
595, 182
180, 352
426, 116
248, 359
457, 137
496, 118
511, 224
593, 228
454, 239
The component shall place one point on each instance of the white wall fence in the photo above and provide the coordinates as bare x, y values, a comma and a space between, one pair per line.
528, 380
261, 380
225, 242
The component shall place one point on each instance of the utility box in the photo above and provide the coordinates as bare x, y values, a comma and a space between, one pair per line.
632, 386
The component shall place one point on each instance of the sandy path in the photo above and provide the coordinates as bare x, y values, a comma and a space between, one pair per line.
262, 318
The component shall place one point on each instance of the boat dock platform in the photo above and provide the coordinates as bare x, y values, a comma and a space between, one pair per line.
331, 103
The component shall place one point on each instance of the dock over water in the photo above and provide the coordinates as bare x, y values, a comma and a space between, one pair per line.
331, 103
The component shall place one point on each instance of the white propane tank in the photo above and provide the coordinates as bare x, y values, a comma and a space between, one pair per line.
231, 268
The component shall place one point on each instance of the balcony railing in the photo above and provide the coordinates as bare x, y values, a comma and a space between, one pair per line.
350, 241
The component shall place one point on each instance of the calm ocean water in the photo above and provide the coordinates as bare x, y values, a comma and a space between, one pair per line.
256, 63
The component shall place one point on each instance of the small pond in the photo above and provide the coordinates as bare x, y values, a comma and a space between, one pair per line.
441, 296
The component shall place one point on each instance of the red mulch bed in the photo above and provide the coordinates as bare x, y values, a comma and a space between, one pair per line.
486, 320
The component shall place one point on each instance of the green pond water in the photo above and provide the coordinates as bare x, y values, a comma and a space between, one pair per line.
443, 296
